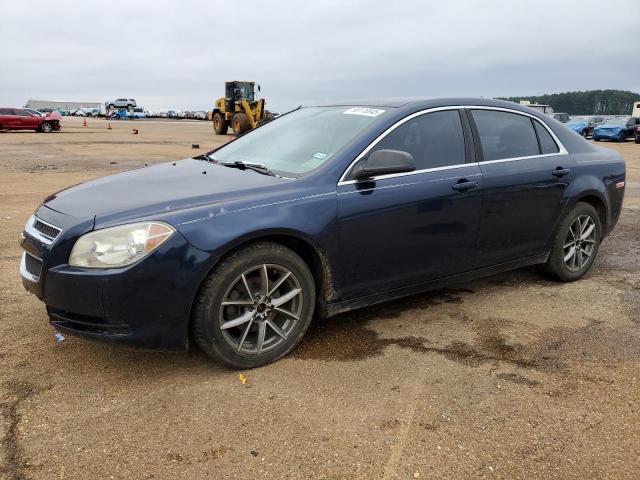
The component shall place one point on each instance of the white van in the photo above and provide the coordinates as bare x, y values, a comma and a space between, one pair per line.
636, 109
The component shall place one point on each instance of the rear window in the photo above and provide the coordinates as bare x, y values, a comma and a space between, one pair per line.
547, 144
505, 135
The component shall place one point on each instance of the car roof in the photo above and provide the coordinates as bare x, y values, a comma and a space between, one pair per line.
433, 102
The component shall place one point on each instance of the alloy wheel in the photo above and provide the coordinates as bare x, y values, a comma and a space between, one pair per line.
579, 243
260, 309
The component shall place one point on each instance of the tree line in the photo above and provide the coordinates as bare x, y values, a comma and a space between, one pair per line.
592, 102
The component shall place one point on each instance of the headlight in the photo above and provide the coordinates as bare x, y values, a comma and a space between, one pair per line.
118, 246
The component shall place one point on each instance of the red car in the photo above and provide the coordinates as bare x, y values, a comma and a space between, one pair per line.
24, 119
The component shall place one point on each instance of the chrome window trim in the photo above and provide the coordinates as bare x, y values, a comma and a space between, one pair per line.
32, 232
342, 181
561, 149
23, 268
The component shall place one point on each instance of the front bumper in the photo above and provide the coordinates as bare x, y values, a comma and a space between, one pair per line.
607, 134
146, 304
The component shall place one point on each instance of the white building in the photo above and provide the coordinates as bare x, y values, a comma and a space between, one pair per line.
54, 105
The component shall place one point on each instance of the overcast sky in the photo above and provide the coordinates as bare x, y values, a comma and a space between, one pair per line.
177, 54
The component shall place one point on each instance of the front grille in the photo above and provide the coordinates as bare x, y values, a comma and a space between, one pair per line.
46, 230
33, 265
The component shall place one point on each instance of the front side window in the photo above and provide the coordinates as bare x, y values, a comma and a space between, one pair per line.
433, 139
21, 113
300, 141
505, 135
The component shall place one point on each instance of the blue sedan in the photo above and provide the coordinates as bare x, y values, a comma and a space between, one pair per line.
617, 128
320, 211
580, 125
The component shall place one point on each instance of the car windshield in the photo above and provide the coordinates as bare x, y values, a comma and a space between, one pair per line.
300, 141
617, 121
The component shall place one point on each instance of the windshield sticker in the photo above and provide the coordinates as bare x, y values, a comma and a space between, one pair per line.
367, 112
320, 155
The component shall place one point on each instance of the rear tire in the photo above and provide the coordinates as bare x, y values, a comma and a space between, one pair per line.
220, 124
239, 123
575, 244
245, 321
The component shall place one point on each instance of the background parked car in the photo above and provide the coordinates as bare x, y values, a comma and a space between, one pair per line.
637, 134
581, 125
22, 119
128, 103
87, 112
560, 116
617, 128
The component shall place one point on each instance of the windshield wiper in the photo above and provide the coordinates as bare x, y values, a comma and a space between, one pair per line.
256, 167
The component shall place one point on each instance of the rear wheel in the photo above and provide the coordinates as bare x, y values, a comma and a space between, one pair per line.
255, 306
46, 127
239, 123
129, 107
220, 125
576, 243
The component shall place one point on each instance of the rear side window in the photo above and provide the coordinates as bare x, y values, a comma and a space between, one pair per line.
434, 139
505, 135
547, 144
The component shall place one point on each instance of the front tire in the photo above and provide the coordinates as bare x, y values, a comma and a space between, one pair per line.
46, 127
575, 244
220, 125
239, 123
255, 306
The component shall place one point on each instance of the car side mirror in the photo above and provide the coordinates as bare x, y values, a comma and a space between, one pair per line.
384, 162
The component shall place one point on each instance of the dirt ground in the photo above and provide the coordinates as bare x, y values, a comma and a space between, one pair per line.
509, 377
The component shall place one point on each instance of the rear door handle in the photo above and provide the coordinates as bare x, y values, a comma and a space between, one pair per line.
561, 172
464, 185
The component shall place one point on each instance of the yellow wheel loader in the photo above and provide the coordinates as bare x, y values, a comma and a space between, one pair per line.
238, 109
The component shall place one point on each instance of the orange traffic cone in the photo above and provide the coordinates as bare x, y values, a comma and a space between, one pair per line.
109, 126
84, 122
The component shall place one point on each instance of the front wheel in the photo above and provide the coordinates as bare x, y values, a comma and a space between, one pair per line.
255, 306
239, 123
575, 244
46, 127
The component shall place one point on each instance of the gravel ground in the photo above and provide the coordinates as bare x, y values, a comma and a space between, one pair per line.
513, 376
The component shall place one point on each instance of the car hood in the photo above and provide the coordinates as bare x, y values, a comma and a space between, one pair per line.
159, 189
609, 127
